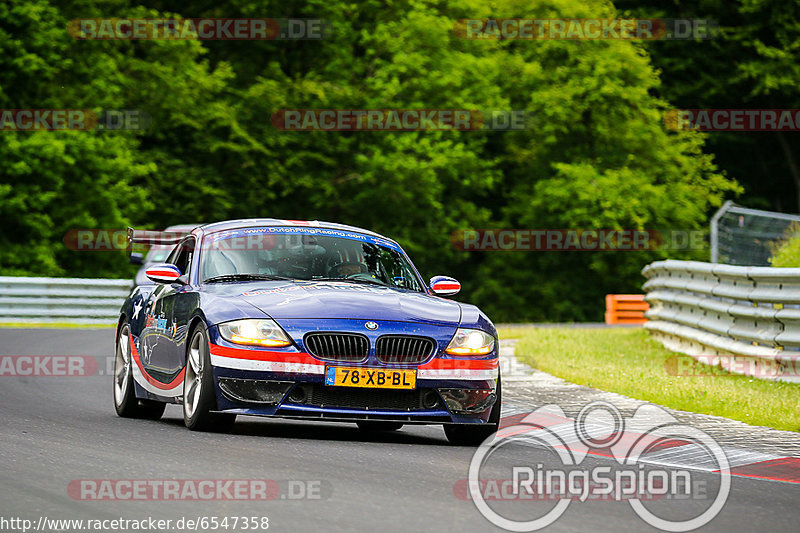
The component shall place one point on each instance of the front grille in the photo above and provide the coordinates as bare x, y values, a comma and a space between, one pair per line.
358, 398
404, 349
341, 347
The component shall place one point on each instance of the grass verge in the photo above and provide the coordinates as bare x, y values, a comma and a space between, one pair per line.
628, 361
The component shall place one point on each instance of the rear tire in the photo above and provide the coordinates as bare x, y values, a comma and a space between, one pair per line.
475, 434
370, 426
198, 387
126, 403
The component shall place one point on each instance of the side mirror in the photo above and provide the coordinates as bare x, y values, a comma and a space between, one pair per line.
444, 286
136, 258
163, 273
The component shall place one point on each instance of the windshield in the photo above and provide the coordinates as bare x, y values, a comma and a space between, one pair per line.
312, 254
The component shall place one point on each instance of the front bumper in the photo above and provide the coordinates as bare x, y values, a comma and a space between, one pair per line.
290, 383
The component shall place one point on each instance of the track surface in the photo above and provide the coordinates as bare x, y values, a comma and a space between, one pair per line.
55, 430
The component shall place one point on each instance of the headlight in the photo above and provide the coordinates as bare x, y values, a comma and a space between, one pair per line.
255, 332
470, 342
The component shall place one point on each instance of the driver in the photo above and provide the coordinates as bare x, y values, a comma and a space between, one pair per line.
342, 270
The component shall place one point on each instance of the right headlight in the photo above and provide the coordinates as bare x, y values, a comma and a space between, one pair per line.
257, 332
470, 342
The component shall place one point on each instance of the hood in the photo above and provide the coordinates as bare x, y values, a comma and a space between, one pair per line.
317, 299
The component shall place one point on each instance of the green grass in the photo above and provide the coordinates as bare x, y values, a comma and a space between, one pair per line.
629, 362
511, 333
786, 252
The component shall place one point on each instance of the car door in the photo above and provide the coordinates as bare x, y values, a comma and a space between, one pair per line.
163, 355
183, 303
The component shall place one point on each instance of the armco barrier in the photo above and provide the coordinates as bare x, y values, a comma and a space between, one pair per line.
748, 314
74, 300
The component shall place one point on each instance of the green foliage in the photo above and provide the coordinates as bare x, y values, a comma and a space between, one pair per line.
598, 156
786, 253
752, 62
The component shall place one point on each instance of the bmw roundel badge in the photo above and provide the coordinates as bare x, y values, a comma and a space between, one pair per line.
371, 325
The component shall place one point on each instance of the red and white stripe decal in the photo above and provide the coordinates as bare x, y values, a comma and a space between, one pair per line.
445, 285
163, 272
463, 369
304, 363
265, 361
149, 383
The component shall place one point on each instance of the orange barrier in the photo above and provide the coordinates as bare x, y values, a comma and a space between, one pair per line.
626, 309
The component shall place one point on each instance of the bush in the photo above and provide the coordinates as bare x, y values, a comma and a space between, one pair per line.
786, 253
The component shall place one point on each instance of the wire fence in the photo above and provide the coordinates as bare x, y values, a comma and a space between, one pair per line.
743, 236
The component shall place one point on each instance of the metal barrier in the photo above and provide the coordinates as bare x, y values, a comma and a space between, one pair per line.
751, 315
73, 300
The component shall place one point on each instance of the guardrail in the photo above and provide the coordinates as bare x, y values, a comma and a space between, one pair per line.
751, 315
73, 300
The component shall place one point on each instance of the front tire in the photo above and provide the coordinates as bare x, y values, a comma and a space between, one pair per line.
198, 387
475, 434
126, 403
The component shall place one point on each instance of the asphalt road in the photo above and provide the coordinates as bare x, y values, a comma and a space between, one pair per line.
56, 430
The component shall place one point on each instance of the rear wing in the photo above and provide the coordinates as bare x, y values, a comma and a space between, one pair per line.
143, 236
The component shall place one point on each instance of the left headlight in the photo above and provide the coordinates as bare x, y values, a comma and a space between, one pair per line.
470, 342
255, 332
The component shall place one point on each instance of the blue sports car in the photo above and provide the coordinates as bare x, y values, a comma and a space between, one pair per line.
308, 320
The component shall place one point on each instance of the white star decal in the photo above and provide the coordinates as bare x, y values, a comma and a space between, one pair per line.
136, 308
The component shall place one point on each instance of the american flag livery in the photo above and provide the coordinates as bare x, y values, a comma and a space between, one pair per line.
163, 272
444, 286
286, 333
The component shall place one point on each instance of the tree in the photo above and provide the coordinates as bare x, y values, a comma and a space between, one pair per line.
53, 182
598, 156
752, 62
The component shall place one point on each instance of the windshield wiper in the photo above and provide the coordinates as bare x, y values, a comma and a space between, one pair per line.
244, 277
353, 280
